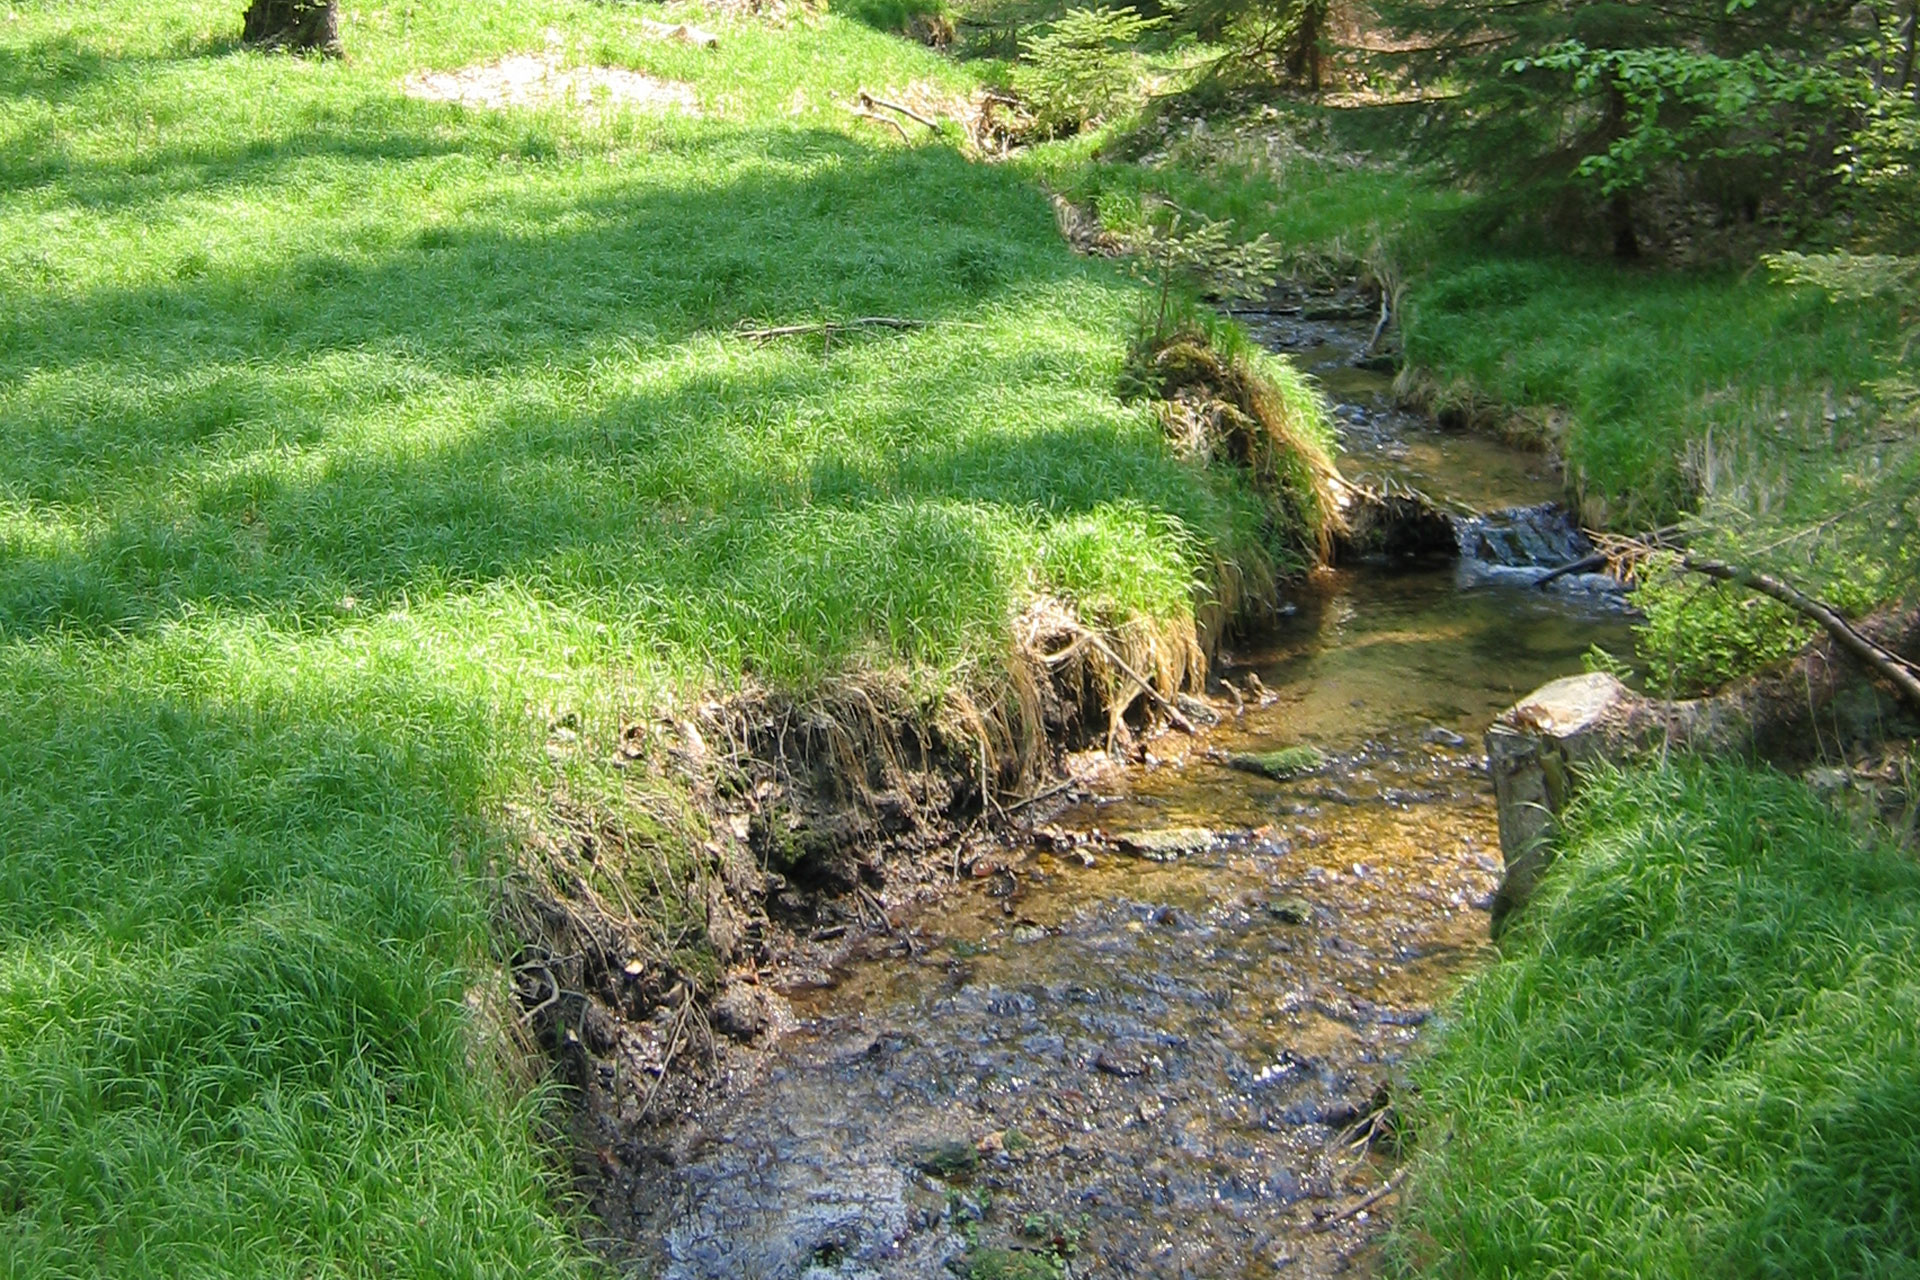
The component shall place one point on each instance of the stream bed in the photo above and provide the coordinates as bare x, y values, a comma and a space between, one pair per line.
1153, 1040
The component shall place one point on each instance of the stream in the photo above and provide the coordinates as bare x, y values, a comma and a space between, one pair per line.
1153, 1042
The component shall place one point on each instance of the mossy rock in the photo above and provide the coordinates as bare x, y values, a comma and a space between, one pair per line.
1283, 765
949, 1159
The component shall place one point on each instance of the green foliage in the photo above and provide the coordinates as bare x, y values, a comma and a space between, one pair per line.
1586, 109
1698, 1056
1010, 1264
1082, 69
1187, 250
1699, 634
1682, 107
897, 16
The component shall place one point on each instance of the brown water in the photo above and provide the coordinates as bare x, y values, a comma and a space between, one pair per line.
1098, 1064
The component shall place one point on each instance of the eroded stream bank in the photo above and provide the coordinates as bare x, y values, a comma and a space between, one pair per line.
1148, 1040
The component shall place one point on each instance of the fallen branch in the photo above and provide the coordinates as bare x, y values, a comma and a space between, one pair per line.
889, 121
869, 102
1363, 1204
1585, 564
1897, 670
827, 328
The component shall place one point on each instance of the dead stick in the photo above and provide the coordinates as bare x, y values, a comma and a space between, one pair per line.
1889, 664
869, 101
1178, 721
1585, 564
1038, 796
886, 120
1386, 315
826, 327
1363, 1204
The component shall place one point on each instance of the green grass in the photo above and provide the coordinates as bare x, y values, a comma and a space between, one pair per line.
1665, 391
347, 444
1700, 1055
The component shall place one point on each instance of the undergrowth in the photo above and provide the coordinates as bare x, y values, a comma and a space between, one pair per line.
1698, 1056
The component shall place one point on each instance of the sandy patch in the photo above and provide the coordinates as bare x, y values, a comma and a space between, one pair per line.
544, 80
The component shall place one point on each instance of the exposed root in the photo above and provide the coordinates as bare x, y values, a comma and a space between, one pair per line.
1221, 408
759, 827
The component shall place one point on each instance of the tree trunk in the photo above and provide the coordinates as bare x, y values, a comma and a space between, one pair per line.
294, 24
1304, 59
1626, 245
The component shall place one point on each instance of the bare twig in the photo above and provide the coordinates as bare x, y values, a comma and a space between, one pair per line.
1178, 721
869, 102
1038, 796
1363, 1204
889, 121
1898, 671
827, 328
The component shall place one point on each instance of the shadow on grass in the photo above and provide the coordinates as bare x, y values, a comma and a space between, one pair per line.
475, 402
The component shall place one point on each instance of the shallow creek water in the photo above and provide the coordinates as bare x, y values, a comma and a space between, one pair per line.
1106, 1064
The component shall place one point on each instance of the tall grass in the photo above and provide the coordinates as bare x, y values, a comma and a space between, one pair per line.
349, 444
1700, 1055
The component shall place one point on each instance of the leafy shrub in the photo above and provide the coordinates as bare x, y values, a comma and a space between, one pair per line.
1698, 634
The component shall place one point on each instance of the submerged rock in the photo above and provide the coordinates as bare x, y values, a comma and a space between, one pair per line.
1168, 844
952, 1158
1283, 765
1290, 910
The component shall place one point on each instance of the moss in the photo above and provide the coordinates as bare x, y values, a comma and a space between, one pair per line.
1282, 765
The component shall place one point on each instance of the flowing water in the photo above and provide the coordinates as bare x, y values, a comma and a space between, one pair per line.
1151, 1041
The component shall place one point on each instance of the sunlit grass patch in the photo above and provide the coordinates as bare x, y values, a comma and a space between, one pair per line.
1699, 1056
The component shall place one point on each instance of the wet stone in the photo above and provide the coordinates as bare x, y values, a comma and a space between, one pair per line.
1283, 765
742, 1012
1126, 1061
1168, 844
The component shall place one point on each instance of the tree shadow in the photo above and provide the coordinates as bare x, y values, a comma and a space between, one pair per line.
246, 440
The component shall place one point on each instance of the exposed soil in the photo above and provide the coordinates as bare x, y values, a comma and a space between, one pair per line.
546, 80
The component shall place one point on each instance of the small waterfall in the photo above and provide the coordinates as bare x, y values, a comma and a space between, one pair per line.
1521, 544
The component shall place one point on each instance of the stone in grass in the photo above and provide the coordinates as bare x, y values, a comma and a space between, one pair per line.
948, 1158
1283, 765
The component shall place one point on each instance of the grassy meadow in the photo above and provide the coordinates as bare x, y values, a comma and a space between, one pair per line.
348, 445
